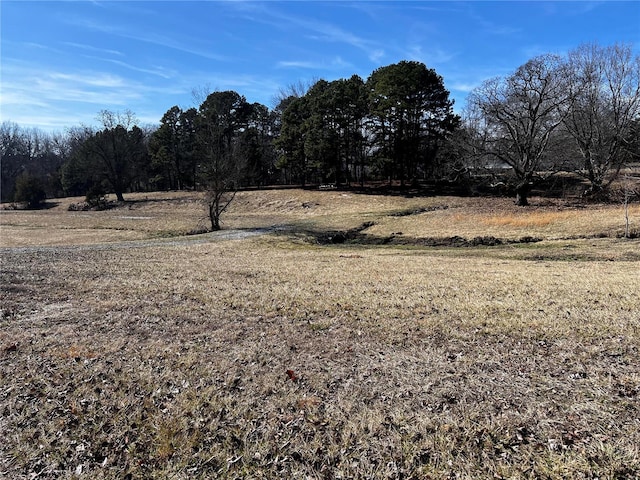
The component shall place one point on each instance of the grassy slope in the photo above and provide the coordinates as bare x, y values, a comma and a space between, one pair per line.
166, 214
171, 360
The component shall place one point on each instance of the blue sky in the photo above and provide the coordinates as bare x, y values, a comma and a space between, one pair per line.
63, 62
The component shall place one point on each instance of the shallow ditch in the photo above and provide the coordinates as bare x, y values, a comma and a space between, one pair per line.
357, 236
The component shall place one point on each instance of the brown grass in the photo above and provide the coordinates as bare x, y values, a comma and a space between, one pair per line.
170, 214
172, 360
535, 220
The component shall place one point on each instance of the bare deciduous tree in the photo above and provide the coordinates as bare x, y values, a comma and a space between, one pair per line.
520, 115
606, 84
293, 90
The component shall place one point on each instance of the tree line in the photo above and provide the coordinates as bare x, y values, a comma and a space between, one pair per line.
577, 113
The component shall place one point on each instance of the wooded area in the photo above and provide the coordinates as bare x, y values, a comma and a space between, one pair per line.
579, 113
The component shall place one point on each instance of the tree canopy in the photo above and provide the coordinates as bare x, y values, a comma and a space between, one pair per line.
410, 114
520, 115
577, 113
222, 117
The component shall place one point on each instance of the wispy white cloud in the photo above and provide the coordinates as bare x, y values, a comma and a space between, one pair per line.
464, 87
35, 46
19, 97
91, 48
298, 64
53, 120
35, 96
147, 56
490, 27
577, 8
313, 28
106, 55
85, 79
158, 71
331, 33
50, 98
337, 63
147, 37
166, 42
376, 55
430, 56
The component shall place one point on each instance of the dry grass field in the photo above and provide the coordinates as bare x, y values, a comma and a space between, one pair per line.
130, 350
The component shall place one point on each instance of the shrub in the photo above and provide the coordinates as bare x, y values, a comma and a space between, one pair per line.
96, 198
30, 191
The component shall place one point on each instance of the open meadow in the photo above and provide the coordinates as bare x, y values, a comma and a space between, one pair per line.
320, 335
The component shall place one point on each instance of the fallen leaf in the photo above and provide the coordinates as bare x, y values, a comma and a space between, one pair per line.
292, 375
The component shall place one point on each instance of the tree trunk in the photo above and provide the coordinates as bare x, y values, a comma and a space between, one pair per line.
119, 197
596, 188
214, 216
522, 192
